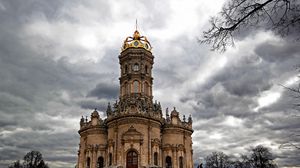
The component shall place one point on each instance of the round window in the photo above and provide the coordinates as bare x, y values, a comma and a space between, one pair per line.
136, 43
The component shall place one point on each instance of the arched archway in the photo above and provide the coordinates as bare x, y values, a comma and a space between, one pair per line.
155, 158
146, 88
168, 162
180, 162
88, 162
110, 159
132, 159
126, 69
136, 86
125, 88
146, 69
100, 162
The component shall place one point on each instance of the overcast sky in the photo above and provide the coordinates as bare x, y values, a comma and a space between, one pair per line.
59, 60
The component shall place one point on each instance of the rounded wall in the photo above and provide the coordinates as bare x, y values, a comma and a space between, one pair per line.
93, 142
177, 144
173, 136
133, 133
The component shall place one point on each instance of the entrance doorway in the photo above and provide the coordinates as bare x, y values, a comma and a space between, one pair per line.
132, 160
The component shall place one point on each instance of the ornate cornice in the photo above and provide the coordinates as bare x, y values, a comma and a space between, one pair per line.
169, 128
95, 147
135, 52
93, 130
133, 118
173, 147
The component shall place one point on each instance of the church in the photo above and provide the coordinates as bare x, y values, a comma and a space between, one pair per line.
134, 133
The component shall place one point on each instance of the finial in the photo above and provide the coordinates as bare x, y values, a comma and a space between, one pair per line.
190, 119
95, 109
183, 118
81, 121
108, 110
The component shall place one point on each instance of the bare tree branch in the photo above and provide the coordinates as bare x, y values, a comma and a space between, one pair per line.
280, 16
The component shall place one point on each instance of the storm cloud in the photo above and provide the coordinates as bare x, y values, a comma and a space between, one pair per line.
59, 60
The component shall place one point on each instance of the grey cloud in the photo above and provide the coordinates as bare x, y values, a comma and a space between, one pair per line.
154, 19
105, 90
278, 52
234, 91
36, 88
90, 104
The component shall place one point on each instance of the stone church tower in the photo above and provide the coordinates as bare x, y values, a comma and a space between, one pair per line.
135, 134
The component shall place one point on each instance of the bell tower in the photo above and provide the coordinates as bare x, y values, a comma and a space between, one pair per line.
135, 134
136, 62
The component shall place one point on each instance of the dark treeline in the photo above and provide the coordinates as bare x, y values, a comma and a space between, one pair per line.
258, 157
33, 159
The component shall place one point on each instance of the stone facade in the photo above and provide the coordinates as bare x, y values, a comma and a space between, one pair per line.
134, 133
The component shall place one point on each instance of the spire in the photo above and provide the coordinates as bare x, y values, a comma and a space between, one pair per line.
136, 25
167, 112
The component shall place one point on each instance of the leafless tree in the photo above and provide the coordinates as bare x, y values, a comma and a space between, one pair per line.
217, 160
261, 157
16, 164
245, 162
33, 159
280, 16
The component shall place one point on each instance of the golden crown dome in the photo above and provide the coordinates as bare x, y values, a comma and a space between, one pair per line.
136, 41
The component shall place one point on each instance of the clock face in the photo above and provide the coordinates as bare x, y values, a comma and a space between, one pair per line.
136, 67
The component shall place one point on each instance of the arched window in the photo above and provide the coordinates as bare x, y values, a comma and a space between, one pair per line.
110, 159
126, 69
146, 88
126, 88
136, 86
168, 162
100, 162
88, 162
155, 157
136, 67
180, 162
146, 69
